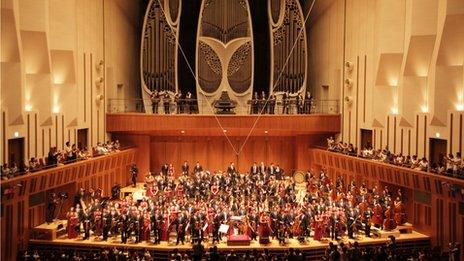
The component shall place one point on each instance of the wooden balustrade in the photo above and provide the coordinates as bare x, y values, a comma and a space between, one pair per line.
24, 199
435, 203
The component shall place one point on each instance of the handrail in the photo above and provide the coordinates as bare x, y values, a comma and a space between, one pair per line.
395, 167
58, 167
189, 106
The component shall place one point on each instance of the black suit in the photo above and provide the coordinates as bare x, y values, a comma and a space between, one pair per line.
254, 170
185, 169
164, 169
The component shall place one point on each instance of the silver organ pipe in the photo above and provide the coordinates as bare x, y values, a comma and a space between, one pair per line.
285, 35
159, 52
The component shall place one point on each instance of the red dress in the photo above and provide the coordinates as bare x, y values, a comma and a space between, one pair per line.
98, 223
73, 222
146, 228
377, 218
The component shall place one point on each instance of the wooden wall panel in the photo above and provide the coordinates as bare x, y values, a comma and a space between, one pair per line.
18, 217
215, 153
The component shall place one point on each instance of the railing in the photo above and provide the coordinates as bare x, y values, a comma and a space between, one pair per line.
192, 106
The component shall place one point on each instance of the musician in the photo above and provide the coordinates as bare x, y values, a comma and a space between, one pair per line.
367, 222
86, 224
334, 226
134, 172
165, 169
178, 101
124, 227
166, 103
308, 103
299, 103
180, 230
51, 207
185, 168
389, 222
377, 218
285, 103
262, 103
272, 103
154, 97
98, 222
198, 168
400, 213
278, 172
231, 169
73, 222
254, 170
271, 170
255, 103
107, 220
282, 233
352, 218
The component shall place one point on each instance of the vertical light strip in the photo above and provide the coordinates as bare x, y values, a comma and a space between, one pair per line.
401, 148
56, 131
364, 89
43, 142
417, 135
388, 132
35, 136
85, 90
394, 134
425, 135
381, 140
409, 142
4, 136
62, 131
460, 133
451, 134
28, 136
91, 99
357, 101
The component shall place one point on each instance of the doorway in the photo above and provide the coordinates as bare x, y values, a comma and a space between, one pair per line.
15, 150
366, 138
82, 135
437, 150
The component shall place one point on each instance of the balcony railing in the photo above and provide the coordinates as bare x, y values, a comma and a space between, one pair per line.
192, 106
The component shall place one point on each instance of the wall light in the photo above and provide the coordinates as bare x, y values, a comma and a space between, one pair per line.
16, 134
425, 109
460, 107
437, 135
394, 110
28, 107
56, 109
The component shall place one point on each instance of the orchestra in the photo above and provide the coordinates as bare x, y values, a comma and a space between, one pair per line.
194, 206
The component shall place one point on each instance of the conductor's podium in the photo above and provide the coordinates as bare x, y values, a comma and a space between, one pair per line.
238, 240
49, 231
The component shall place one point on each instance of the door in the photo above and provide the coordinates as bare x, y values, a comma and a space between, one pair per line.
437, 150
82, 135
366, 138
15, 150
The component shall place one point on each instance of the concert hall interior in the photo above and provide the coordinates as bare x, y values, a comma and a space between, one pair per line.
232, 129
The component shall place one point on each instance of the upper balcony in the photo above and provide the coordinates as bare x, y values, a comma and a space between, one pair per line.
130, 116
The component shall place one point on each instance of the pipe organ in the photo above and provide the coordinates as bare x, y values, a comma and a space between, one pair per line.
159, 46
286, 23
224, 55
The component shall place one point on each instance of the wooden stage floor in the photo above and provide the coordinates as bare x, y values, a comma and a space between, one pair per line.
273, 245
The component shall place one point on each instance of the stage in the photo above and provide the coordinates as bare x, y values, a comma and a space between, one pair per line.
54, 236
311, 249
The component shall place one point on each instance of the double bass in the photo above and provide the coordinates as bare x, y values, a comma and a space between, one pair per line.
389, 223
